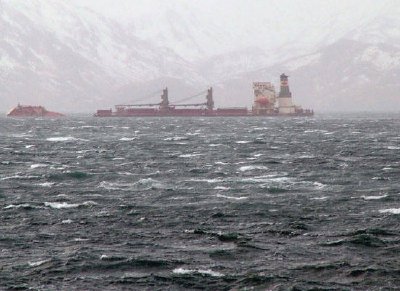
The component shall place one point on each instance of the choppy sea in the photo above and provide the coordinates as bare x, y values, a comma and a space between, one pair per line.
200, 203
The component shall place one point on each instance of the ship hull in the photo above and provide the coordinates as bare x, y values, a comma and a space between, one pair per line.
221, 112
32, 111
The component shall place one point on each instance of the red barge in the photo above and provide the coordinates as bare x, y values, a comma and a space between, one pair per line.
266, 103
32, 111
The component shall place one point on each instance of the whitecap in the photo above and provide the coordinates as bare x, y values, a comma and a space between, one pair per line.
206, 180
66, 221
89, 203
373, 197
393, 148
149, 183
267, 178
18, 177
29, 146
243, 141
189, 155
60, 205
319, 198
232, 197
24, 205
222, 188
109, 185
209, 272
319, 185
34, 166
390, 210
38, 263
45, 184
61, 138
80, 239
251, 168
215, 144
127, 138
176, 138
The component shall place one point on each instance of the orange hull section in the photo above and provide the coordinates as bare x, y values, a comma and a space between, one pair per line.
32, 111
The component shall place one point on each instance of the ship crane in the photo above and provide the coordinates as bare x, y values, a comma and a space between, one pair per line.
125, 106
209, 100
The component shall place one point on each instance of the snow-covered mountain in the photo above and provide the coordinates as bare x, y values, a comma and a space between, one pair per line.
75, 56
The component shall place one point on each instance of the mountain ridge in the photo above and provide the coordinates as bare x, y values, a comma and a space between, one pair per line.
61, 55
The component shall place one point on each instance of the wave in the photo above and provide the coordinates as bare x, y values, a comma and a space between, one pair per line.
176, 138
127, 138
390, 210
189, 155
61, 138
67, 221
68, 175
182, 271
142, 184
374, 197
38, 263
232, 197
252, 168
393, 148
46, 184
65, 205
242, 141
19, 177
26, 206
35, 166
223, 188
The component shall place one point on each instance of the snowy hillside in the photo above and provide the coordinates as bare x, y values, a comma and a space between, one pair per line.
78, 56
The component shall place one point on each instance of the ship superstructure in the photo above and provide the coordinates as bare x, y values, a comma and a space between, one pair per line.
264, 98
285, 101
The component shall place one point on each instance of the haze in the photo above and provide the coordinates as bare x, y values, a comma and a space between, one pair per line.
81, 55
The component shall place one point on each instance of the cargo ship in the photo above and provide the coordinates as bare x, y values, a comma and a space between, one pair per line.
266, 103
32, 111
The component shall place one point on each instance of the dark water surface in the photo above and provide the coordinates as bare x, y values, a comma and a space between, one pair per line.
200, 203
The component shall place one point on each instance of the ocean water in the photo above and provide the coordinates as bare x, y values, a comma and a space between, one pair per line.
200, 203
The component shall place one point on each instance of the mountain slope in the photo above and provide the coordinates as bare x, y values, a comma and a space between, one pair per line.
55, 56
340, 56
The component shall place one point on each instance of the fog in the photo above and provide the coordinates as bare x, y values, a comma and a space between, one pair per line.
82, 55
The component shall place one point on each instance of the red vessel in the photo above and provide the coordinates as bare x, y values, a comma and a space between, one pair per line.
164, 108
32, 111
266, 103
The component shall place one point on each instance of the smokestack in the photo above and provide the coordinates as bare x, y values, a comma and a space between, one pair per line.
285, 92
285, 97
